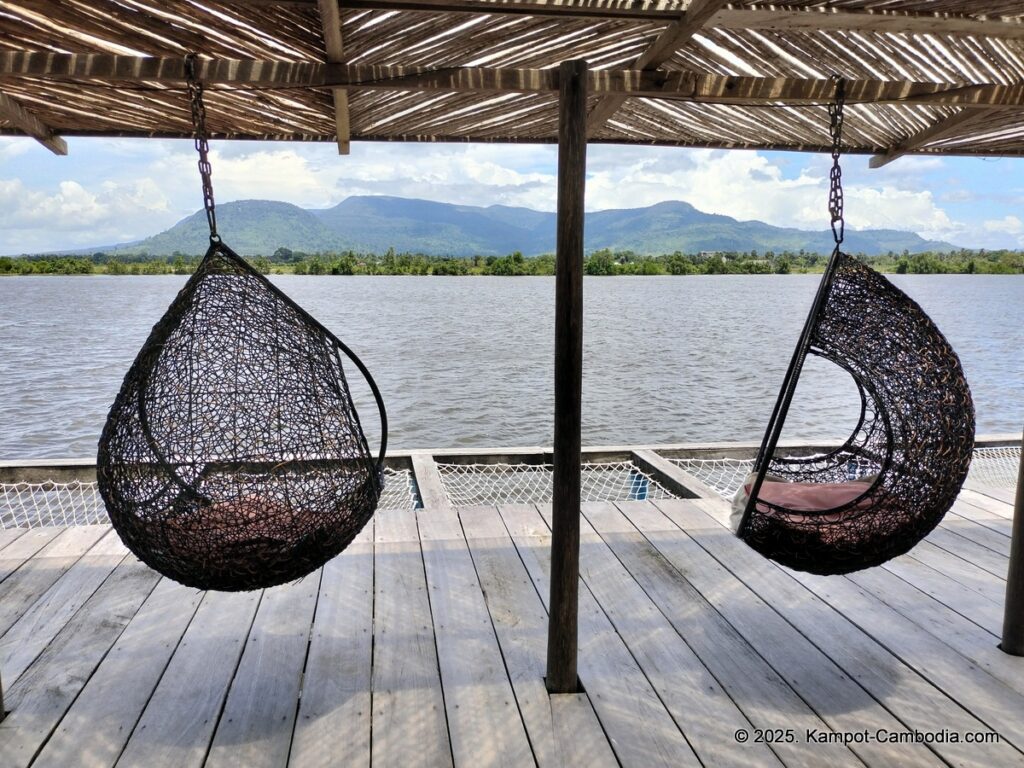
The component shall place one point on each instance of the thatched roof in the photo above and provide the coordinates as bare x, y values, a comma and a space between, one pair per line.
934, 76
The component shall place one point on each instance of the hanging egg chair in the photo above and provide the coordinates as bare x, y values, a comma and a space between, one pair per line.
233, 457
900, 471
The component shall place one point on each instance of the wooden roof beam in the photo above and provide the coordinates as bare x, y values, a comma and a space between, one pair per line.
330, 19
934, 132
124, 71
671, 39
779, 18
17, 115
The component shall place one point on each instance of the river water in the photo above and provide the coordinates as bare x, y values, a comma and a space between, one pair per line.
468, 362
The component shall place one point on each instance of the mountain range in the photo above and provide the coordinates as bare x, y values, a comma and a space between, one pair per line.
376, 223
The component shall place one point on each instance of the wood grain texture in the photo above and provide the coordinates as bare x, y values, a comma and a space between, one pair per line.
178, 723
886, 676
255, 727
22, 547
409, 726
42, 695
97, 726
563, 729
617, 686
31, 580
484, 722
762, 694
565, 498
674, 670
333, 722
38, 625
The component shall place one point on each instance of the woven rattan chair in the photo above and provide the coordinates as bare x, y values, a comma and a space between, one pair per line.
233, 457
909, 453
902, 467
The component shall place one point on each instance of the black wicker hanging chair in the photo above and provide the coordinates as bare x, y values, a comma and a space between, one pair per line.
901, 469
233, 457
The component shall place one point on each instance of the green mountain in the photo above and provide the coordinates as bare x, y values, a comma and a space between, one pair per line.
254, 227
250, 227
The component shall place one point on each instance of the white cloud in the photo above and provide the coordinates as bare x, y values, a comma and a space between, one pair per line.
72, 215
1009, 225
13, 147
746, 185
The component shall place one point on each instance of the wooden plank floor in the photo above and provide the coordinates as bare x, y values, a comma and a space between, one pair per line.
424, 644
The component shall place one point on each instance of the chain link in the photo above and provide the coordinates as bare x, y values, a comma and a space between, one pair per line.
195, 94
835, 191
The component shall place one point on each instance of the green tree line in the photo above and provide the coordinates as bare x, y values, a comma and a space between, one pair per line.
601, 262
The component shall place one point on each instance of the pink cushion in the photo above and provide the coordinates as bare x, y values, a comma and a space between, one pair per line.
810, 497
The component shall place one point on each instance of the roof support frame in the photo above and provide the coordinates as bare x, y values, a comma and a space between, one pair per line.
124, 71
12, 111
671, 39
937, 130
330, 19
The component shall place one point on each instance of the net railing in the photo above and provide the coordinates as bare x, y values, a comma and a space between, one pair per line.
723, 475
34, 505
996, 467
37, 505
484, 484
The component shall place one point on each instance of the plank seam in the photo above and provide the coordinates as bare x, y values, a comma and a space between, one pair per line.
305, 662
796, 629
930, 596
526, 570
44, 741
497, 638
433, 635
632, 655
668, 619
69, 619
163, 671
234, 673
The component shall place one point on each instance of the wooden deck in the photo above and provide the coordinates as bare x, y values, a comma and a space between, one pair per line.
424, 644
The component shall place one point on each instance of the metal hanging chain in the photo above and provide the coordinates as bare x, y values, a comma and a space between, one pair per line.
835, 191
195, 94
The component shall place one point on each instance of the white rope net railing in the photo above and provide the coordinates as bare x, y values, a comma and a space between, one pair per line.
36, 505
474, 484
33, 505
723, 475
989, 466
399, 490
997, 467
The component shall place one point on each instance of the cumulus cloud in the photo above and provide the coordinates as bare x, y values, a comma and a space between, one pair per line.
1010, 225
71, 215
747, 185
13, 147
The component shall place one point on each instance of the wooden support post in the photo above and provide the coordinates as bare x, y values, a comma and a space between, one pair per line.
1013, 617
330, 20
565, 501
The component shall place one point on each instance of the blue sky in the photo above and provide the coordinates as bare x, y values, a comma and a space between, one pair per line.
112, 190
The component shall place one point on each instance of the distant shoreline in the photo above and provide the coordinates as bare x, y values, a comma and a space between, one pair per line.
604, 262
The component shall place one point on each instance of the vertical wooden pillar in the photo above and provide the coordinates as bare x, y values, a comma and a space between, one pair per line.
565, 540
1013, 616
